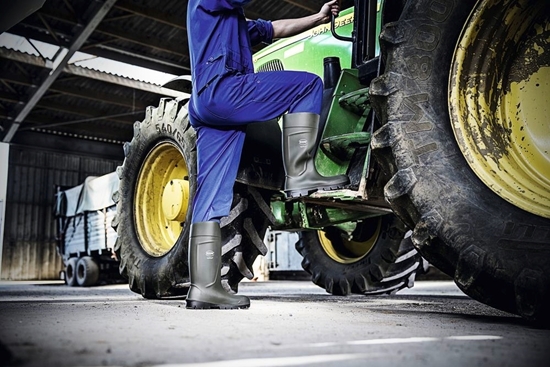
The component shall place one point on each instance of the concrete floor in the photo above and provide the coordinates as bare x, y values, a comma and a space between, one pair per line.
289, 324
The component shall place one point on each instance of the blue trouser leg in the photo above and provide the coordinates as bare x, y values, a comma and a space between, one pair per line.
218, 116
217, 171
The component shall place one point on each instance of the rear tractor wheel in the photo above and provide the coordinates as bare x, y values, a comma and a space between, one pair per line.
375, 259
465, 102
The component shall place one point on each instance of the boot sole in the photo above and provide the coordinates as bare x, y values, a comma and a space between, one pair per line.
311, 190
198, 305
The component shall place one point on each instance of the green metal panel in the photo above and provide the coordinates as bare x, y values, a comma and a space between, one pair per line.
306, 51
347, 117
341, 121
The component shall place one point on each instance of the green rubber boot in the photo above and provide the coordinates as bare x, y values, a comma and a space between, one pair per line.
205, 260
299, 144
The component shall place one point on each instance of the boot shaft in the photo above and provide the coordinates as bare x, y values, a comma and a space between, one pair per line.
299, 145
299, 142
206, 290
204, 252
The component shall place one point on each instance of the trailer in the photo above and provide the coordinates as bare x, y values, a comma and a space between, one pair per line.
85, 238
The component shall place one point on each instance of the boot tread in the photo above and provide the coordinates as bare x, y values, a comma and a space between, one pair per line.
199, 305
311, 190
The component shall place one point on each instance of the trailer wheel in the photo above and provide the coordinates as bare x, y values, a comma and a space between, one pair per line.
157, 185
464, 106
377, 259
87, 271
70, 272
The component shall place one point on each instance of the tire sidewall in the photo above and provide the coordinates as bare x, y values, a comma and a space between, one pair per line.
159, 126
70, 272
461, 226
333, 275
89, 269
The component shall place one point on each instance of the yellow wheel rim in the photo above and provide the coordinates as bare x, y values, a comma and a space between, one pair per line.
161, 199
500, 100
349, 251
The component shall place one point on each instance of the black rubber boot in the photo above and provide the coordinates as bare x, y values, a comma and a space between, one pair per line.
204, 270
299, 144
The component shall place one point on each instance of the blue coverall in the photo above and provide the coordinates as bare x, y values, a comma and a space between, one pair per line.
227, 95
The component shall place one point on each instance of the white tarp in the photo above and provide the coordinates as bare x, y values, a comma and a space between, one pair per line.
71, 196
95, 193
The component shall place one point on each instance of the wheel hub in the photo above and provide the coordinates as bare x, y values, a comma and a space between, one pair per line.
175, 199
500, 100
161, 199
351, 250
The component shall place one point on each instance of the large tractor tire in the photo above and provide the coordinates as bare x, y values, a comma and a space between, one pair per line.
157, 184
464, 102
378, 258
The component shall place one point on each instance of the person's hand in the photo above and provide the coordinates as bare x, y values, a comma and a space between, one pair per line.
330, 8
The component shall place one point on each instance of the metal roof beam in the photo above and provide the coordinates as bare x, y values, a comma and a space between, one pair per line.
104, 125
91, 95
60, 62
35, 122
82, 112
312, 6
4, 114
114, 53
22, 57
144, 40
36, 34
10, 97
63, 107
102, 97
93, 74
130, 83
70, 144
16, 78
112, 31
152, 13
119, 33
137, 59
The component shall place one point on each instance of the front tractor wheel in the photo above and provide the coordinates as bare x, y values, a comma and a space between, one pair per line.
157, 181
464, 105
375, 259
161, 199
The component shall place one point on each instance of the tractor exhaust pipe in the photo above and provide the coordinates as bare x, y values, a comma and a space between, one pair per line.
331, 72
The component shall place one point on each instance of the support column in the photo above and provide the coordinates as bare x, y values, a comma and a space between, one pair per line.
4, 160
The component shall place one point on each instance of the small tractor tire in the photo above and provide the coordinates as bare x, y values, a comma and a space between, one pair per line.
497, 251
70, 272
87, 271
376, 260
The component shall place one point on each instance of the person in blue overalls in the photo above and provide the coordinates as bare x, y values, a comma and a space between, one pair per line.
227, 95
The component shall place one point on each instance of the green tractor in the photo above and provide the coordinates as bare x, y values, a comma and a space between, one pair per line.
437, 110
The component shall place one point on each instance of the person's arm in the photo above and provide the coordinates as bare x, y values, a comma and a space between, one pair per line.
291, 27
260, 31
